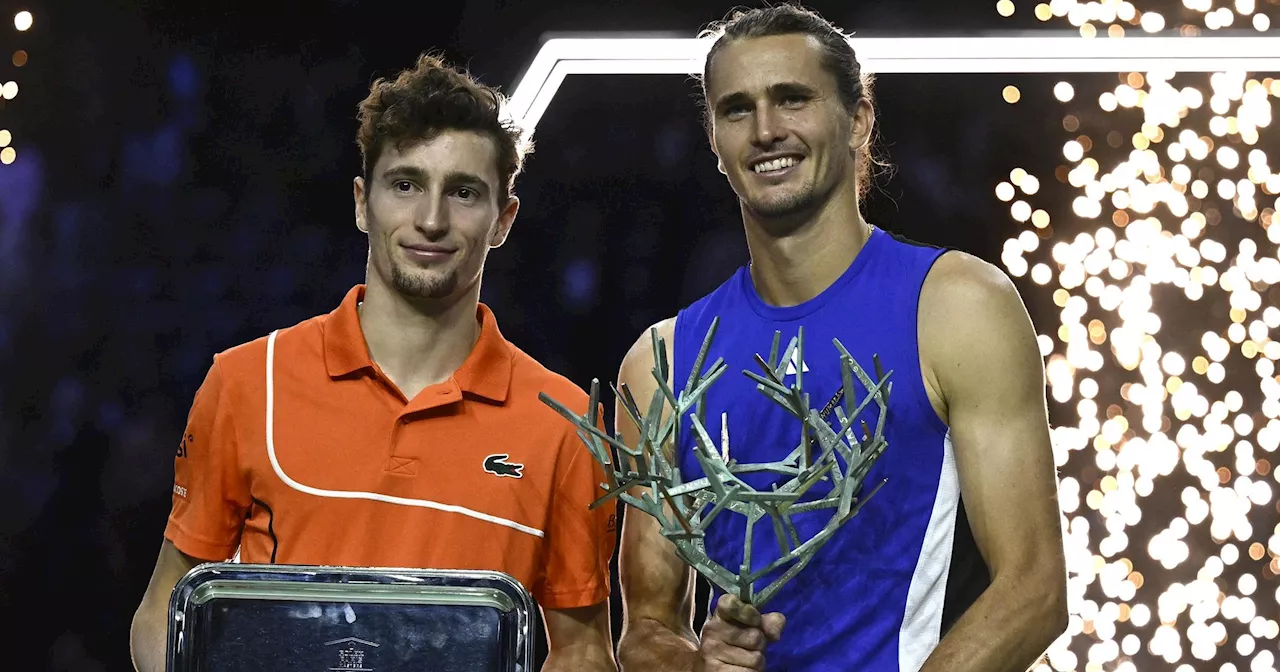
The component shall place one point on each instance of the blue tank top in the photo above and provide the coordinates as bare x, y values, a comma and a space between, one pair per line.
882, 591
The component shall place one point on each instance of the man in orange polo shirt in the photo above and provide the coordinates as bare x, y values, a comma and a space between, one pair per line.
402, 429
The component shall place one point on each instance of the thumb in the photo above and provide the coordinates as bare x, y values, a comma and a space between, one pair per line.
731, 609
773, 623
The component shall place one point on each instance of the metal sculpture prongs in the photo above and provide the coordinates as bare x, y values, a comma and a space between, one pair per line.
684, 510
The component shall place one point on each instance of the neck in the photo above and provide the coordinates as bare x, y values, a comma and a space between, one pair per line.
417, 343
792, 267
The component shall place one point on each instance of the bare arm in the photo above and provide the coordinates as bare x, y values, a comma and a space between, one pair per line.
657, 593
981, 355
580, 639
657, 587
148, 636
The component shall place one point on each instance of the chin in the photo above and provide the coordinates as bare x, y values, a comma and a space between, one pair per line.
421, 284
782, 206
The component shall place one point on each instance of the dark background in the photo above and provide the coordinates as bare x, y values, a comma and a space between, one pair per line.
183, 184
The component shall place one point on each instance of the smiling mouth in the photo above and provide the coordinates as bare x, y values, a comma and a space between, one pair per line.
776, 165
427, 253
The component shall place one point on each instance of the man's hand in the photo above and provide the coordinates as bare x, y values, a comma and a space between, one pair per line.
735, 636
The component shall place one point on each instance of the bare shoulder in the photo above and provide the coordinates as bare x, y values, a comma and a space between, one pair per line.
638, 362
974, 327
966, 301
961, 283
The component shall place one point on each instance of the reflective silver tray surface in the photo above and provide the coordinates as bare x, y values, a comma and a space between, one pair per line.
231, 617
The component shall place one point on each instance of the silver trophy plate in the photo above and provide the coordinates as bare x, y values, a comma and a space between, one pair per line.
229, 617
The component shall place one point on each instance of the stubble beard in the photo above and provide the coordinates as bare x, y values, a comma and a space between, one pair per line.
430, 285
788, 204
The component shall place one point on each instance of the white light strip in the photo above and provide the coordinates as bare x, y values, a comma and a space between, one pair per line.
555, 78
561, 57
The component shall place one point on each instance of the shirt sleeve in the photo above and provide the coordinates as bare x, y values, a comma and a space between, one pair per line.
580, 540
210, 495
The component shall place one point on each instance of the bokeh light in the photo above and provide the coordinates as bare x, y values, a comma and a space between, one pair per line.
22, 21
1163, 267
1064, 92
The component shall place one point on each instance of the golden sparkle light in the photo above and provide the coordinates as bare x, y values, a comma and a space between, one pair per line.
1176, 426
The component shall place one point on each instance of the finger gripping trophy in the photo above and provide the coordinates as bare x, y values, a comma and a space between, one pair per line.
685, 510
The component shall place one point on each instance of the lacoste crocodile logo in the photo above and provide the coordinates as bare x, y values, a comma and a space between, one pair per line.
494, 464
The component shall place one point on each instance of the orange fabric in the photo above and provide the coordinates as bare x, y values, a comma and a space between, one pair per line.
357, 466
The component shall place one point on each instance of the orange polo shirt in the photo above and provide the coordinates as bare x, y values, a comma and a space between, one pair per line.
299, 450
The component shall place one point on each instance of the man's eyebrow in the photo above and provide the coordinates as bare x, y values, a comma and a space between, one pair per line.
779, 90
791, 88
461, 177
412, 172
465, 178
732, 98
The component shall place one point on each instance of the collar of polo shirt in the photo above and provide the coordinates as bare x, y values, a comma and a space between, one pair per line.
485, 373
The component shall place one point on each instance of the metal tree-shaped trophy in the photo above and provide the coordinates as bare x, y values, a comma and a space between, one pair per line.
684, 510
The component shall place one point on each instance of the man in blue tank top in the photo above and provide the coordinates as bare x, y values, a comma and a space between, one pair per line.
956, 563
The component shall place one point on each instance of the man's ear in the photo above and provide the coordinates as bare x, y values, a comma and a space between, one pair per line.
711, 139
862, 125
361, 199
505, 219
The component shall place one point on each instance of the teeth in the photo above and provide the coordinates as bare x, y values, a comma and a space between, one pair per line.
776, 164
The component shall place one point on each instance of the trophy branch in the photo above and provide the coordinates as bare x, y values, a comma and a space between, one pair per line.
646, 477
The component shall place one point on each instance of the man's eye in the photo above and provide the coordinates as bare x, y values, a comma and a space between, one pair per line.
466, 193
403, 186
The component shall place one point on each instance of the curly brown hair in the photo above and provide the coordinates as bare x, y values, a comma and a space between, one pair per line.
432, 97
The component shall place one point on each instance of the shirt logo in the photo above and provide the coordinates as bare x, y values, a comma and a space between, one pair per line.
795, 359
495, 465
351, 658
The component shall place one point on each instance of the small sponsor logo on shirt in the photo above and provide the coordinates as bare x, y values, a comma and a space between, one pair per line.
353, 655
179, 490
498, 466
795, 359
